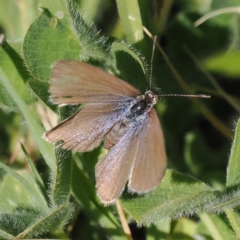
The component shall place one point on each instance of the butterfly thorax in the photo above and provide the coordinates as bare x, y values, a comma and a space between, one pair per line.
135, 115
143, 105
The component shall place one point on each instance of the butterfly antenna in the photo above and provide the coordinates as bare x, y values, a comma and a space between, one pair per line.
185, 95
170, 95
151, 63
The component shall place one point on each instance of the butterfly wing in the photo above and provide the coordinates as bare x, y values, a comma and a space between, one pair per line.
151, 161
85, 130
107, 98
75, 82
113, 170
114, 135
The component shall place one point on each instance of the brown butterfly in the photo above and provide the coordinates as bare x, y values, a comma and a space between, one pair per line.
118, 114
114, 112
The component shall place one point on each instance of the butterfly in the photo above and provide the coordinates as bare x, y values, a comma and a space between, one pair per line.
114, 112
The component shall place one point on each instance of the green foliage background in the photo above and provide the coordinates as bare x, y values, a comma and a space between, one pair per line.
49, 193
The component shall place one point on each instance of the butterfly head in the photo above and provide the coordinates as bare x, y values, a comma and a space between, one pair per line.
151, 98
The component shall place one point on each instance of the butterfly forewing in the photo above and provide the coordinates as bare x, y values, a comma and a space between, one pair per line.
150, 163
76, 82
85, 130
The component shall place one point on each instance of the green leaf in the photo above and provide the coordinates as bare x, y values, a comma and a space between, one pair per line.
16, 222
218, 229
233, 219
225, 64
23, 14
82, 187
11, 63
126, 58
223, 201
54, 219
57, 9
184, 229
233, 169
48, 40
90, 8
5, 235
130, 16
41, 90
16, 191
124, 47
197, 154
36, 175
61, 37
160, 230
93, 44
195, 6
45, 148
202, 160
177, 195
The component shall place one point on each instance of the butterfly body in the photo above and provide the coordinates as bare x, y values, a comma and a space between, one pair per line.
118, 114
144, 104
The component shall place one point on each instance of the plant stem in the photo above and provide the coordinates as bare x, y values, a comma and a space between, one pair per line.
123, 220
